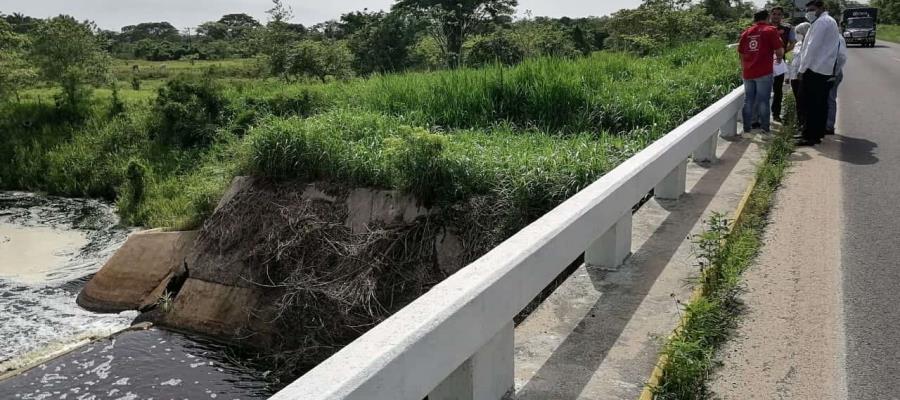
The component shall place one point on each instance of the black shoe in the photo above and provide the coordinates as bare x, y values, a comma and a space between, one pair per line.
829, 131
755, 125
777, 119
806, 142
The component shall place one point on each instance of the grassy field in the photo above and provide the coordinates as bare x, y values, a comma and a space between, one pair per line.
529, 136
890, 33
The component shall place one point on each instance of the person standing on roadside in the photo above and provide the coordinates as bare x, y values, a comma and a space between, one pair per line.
759, 44
789, 39
793, 74
818, 59
832, 95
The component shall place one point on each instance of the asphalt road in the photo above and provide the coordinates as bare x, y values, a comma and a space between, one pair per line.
869, 129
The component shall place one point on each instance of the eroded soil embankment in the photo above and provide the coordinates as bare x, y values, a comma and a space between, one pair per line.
300, 270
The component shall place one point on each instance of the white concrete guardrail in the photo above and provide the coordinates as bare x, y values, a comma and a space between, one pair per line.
456, 340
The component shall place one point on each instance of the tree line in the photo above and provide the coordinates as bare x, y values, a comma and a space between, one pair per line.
412, 35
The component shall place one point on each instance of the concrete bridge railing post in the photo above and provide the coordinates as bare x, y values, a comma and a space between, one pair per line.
707, 151
612, 248
674, 184
729, 129
488, 375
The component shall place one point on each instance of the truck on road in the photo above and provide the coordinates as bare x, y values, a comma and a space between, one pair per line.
858, 25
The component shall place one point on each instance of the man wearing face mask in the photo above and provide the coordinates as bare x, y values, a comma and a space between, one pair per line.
818, 58
786, 32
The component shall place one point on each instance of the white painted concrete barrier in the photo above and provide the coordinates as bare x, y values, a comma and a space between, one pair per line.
456, 341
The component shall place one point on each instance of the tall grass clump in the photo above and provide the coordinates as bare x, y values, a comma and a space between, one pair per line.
531, 172
614, 92
188, 111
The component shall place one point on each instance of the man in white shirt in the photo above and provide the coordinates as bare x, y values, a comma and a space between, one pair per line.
818, 58
832, 95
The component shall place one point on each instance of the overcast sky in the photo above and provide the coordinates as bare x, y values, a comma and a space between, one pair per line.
113, 14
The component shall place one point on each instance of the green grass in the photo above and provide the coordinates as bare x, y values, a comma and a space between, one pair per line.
613, 92
528, 136
723, 256
890, 33
232, 68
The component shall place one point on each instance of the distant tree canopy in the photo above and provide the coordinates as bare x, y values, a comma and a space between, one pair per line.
67, 52
889, 12
150, 30
380, 42
452, 21
229, 27
21, 23
319, 59
15, 71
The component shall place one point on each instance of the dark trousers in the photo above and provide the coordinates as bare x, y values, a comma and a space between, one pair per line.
798, 100
777, 95
815, 88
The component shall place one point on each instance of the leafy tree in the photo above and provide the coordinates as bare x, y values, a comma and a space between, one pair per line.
497, 47
67, 52
21, 23
544, 37
187, 111
658, 24
319, 59
277, 36
15, 72
889, 11
229, 27
426, 54
150, 30
380, 42
333, 30
238, 25
727, 9
452, 21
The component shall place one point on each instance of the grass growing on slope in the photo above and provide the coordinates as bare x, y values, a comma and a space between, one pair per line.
528, 172
613, 92
890, 33
724, 255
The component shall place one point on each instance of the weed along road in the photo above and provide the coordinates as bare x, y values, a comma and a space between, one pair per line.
820, 315
869, 121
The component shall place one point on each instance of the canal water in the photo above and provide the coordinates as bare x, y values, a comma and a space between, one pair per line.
49, 248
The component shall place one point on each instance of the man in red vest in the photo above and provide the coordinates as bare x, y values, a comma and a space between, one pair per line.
759, 45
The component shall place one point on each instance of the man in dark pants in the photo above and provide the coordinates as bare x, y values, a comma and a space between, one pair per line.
776, 16
818, 58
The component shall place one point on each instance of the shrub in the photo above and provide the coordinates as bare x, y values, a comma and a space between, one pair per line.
319, 60
188, 112
497, 47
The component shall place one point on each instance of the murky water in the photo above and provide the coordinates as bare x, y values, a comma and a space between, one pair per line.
49, 248
152, 364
